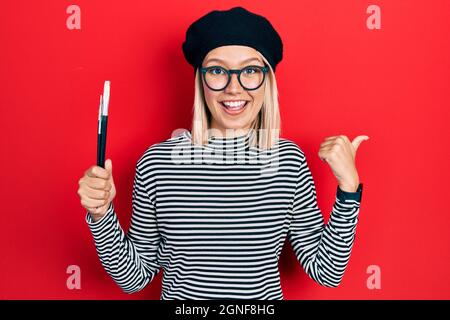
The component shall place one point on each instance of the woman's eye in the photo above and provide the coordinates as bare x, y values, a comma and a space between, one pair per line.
251, 70
216, 71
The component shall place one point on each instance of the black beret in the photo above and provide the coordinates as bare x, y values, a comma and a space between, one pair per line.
236, 26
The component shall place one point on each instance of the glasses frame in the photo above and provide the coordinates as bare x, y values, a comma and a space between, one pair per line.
229, 72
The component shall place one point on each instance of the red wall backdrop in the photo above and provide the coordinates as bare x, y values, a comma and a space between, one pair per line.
337, 77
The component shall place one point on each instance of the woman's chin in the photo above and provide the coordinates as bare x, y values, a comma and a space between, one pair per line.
234, 124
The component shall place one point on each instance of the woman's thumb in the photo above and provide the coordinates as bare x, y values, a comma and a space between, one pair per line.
108, 165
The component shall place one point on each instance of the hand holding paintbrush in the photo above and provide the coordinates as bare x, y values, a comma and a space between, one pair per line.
96, 187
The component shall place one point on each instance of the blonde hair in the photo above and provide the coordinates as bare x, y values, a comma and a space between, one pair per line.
266, 124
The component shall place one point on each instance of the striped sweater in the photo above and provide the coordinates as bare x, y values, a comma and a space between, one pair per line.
215, 218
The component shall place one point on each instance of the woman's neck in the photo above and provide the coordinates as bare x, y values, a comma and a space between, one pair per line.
227, 132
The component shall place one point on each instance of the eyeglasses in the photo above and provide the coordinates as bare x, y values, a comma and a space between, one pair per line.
250, 77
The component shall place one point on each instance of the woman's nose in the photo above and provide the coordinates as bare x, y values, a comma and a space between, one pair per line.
234, 85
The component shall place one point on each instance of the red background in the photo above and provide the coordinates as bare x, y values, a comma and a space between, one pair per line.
337, 77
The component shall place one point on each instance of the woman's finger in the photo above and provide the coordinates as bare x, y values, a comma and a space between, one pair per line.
99, 184
323, 153
98, 172
93, 203
326, 143
357, 141
95, 193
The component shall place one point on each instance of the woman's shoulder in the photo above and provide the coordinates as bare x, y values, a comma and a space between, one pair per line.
290, 149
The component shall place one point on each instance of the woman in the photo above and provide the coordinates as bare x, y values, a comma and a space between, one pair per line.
213, 206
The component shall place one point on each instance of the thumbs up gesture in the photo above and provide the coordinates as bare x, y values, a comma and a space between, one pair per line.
340, 154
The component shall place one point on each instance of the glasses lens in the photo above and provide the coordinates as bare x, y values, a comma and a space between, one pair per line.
251, 77
216, 78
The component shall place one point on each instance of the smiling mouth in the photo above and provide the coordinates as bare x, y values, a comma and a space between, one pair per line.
234, 107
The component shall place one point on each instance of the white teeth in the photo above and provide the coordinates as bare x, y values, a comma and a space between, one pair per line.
234, 104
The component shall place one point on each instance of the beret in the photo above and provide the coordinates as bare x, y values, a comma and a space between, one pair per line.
236, 26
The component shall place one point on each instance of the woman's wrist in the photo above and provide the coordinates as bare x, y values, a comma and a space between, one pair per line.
349, 187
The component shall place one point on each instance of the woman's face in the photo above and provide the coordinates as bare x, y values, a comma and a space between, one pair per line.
223, 117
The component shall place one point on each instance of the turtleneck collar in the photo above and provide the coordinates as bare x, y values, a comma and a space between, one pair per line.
237, 142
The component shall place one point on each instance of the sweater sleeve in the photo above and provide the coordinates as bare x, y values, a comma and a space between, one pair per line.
130, 259
322, 250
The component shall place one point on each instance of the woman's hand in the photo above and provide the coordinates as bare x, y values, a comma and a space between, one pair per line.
97, 190
340, 154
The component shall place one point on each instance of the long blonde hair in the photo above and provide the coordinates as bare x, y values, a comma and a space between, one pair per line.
266, 124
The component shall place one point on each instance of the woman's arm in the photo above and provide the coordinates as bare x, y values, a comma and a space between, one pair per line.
130, 259
323, 250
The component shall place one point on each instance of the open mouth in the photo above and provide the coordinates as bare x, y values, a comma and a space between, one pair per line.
234, 107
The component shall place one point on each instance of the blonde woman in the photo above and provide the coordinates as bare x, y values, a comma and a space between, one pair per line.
213, 206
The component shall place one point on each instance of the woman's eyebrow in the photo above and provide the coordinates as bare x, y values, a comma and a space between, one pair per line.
244, 61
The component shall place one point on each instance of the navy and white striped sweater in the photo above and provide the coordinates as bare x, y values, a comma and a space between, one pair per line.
215, 218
